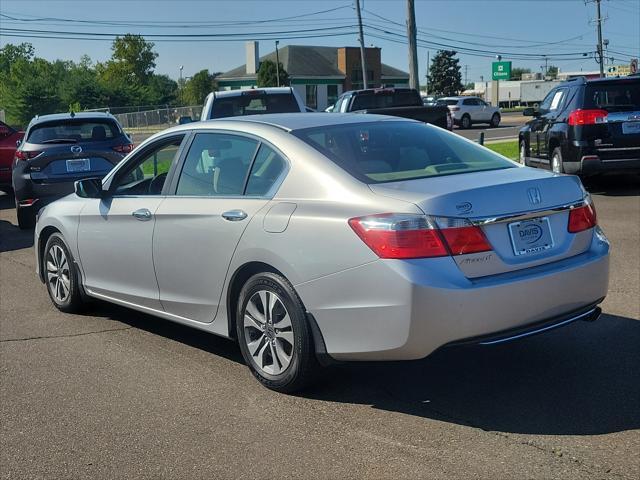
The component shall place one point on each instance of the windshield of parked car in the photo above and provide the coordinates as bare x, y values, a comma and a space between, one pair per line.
622, 95
386, 99
73, 131
250, 103
377, 152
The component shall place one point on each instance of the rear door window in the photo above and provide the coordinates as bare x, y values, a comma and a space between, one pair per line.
217, 165
73, 131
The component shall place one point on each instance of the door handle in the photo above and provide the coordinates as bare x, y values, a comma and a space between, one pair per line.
142, 214
234, 215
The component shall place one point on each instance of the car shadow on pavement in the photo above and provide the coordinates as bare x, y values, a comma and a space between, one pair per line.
12, 238
186, 335
614, 185
583, 379
7, 202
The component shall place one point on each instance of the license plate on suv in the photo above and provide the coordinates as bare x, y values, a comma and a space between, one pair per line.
630, 127
78, 165
531, 236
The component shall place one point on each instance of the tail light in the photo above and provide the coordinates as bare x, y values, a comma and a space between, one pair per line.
403, 236
22, 155
587, 117
582, 218
124, 148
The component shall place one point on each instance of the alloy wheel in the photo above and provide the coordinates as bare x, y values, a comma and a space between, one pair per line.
555, 164
523, 153
58, 275
268, 332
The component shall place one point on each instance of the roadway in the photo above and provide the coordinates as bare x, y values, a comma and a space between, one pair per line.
112, 393
507, 130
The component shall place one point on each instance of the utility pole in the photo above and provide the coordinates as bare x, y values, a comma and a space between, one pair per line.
362, 51
599, 48
426, 89
466, 67
414, 82
277, 64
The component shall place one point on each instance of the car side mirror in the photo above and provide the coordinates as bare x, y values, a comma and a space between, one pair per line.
90, 188
531, 112
18, 143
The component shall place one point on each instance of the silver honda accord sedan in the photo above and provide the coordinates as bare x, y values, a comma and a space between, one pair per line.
311, 238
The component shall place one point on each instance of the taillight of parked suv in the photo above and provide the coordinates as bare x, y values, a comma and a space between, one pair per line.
587, 117
124, 148
22, 155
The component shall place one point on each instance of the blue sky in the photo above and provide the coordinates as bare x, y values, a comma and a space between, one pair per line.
541, 27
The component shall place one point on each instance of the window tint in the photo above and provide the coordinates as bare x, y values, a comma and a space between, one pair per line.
385, 99
470, 101
146, 173
72, 131
253, 102
392, 151
449, 102
618, 96
546, 103
266, 169
216, 165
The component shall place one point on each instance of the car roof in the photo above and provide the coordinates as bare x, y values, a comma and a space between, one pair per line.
266, 90
68, 116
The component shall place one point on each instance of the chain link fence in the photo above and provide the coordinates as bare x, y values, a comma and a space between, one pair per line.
159, 118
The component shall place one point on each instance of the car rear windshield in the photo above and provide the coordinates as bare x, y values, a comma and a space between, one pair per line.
254, 104
448, 102
385, 99
73, 131
378, 152
622, 95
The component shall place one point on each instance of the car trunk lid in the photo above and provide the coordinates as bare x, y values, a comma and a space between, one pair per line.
511, 206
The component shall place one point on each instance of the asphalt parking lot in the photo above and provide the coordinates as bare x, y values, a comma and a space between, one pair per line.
117, 394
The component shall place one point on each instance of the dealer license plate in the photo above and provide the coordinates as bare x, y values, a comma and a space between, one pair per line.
78, 165
532, 236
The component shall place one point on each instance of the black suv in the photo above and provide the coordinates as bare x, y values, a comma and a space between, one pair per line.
585, 127
59, 149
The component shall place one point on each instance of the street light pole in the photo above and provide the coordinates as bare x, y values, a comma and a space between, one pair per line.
277, 64
181, 85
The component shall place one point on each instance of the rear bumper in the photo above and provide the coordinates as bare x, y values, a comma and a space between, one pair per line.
591, 161
404, 310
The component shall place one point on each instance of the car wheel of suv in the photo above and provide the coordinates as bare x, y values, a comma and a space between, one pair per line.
495, 120
61, 276
465, 121
26, 217
522, 158
274, 334
556, 161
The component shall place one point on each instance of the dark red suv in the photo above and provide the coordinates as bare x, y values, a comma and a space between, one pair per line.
9, 139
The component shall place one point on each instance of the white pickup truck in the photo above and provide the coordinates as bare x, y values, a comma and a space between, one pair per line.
255, 101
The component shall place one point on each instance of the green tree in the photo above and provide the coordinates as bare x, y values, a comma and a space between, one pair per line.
133, 56
198, 87
444, 74
552, 71
161, 90
516, 73
268, 75
9, 54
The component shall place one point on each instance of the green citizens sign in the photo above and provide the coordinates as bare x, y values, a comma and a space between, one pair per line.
501, 70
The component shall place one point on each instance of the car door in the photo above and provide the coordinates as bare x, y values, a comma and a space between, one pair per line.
224, 181
547, 121
485, 111
115, 233
537, 125
470, 106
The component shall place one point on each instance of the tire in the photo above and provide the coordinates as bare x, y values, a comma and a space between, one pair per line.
64, 290
277, 347
26, 217
556, 161
465, 121
522, 157
495, 120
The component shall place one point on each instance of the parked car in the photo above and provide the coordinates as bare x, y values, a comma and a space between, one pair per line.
9, 140
585, 127
313, 238
469, 110
429, 100
255, 101
59, 149
397, 102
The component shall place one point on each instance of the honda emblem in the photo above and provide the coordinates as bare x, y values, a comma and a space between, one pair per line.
534, 196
